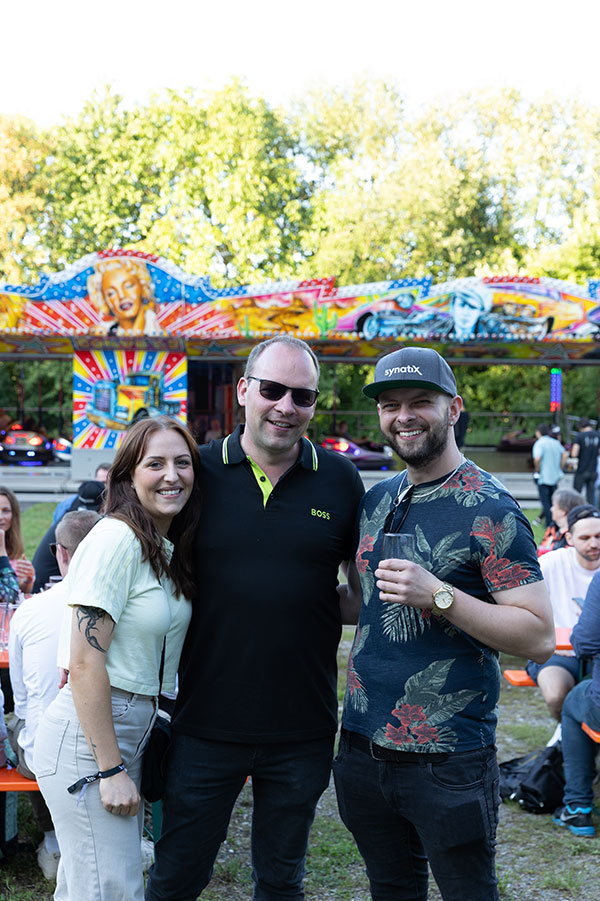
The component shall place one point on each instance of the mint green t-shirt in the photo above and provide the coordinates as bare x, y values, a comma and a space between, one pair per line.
107, 571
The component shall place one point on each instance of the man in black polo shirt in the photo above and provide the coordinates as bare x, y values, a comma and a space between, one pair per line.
258, 672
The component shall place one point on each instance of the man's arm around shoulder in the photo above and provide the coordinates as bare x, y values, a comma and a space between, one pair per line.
350, 595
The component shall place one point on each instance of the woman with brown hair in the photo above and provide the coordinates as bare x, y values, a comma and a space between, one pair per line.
130, 581
10, 524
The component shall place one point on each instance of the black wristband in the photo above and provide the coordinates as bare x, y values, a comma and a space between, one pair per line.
99, 775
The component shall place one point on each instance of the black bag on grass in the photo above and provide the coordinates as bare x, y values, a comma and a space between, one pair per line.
536, 780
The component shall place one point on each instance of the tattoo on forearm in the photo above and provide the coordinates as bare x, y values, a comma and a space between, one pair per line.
93, 749
87, 619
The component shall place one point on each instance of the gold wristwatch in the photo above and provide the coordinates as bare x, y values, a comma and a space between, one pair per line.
443, 599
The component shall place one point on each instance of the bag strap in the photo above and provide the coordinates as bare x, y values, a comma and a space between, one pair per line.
162, 665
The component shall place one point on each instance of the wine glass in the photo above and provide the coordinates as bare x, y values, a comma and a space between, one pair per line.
398, 546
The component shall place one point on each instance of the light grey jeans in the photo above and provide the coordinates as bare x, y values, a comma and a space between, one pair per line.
100, 852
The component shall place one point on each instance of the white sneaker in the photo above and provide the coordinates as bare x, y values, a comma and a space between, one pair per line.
147, 854
48, 862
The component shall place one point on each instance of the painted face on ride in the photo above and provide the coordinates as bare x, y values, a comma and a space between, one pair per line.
466, 310
416, 423
273, 427
6, 515
164, 477
122, 291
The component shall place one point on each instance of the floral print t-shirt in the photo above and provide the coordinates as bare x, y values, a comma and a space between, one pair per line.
415, 681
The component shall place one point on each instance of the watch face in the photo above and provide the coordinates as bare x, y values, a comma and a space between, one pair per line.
443, 598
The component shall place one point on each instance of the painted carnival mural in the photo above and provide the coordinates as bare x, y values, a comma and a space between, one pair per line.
114, 389
110, 298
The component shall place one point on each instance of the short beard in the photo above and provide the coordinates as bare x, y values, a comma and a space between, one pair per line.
436, 441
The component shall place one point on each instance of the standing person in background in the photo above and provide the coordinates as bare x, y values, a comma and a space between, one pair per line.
460, 428
549, 456
586, 446
32, 649
257, 692
214, 432
129, 582
10, 524
416, 773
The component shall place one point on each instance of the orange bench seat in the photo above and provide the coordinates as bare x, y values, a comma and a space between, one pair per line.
518, 677
12, 781
595, 736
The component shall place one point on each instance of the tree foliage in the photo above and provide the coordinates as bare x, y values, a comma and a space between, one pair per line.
345, 181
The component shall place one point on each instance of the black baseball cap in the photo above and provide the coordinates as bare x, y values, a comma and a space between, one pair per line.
412, 367
583, 511
89, 496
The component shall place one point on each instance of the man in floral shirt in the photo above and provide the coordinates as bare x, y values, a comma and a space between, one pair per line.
416, 774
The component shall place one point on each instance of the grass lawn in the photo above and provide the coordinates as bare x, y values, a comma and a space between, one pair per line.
35, 522
536, 860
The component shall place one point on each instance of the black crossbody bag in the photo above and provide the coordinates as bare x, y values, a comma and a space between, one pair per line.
155, 752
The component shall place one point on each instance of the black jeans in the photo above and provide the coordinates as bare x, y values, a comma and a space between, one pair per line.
204, 779
437, 807
588, 481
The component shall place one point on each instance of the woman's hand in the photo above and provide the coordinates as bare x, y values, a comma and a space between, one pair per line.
3, 543
119, 795
25, 573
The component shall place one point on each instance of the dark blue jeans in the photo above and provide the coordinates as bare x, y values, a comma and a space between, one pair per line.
579, 751
545, 492
204, 778
437, 807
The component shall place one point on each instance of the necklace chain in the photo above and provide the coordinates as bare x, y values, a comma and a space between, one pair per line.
406, 486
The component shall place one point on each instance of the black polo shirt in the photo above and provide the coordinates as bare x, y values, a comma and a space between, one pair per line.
259, 660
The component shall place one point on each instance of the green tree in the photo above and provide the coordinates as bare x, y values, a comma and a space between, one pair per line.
41, 390
210, 183
21, 201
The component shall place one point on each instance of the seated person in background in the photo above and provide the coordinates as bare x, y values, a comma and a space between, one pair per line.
10, 523
65, 505
32, 651
567, 573
9, 587
555, 536
90, 497
582, 705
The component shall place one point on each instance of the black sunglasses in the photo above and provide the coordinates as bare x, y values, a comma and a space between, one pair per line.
400, 508
301, 397
53, 547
